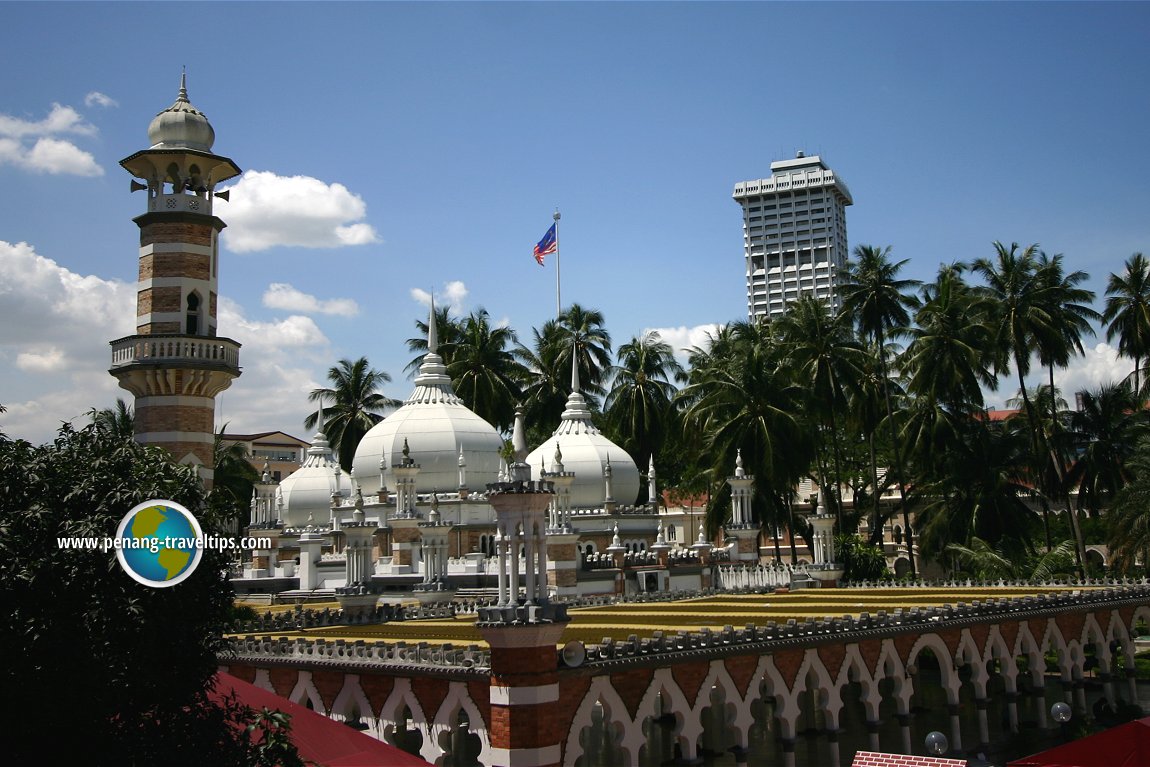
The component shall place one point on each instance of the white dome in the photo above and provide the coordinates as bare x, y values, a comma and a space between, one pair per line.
181, 126
307, 490
438, 428
586, 452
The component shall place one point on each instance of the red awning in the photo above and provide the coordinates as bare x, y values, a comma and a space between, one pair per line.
319, 739
1127, 745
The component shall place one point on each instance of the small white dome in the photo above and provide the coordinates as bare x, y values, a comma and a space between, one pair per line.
306, 492
182, 126
587, 453
438, 428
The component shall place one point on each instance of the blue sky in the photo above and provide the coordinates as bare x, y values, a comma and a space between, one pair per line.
397, 149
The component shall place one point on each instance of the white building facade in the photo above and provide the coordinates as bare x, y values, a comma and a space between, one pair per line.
794, 234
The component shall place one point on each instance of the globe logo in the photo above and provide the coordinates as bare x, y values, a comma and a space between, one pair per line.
158, 543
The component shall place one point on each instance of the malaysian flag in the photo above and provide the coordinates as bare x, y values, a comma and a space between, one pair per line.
546, 246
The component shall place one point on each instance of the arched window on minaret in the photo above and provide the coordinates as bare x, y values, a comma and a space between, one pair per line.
193, 315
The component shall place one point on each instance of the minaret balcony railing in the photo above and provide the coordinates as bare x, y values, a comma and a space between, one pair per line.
180, 202
164, 349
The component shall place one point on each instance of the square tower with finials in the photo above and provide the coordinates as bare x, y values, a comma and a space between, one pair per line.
176, 363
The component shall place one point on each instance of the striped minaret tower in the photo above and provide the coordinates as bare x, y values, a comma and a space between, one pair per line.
175, 364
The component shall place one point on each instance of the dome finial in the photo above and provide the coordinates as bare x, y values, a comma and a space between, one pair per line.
432, 333
574, 367
183, 94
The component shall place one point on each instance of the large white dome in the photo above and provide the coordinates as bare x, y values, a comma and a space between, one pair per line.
586, 452
437, 428
306, 492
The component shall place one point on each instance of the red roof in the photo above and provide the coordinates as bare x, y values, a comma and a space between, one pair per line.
1127, 745
319, 740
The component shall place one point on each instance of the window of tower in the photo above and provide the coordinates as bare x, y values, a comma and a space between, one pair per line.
193, 316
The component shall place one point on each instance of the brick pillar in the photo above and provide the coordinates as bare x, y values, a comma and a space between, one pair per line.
524, 690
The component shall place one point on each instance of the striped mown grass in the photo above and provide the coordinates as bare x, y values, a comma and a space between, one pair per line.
643, 619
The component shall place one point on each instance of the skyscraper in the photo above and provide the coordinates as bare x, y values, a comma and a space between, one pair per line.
794, 234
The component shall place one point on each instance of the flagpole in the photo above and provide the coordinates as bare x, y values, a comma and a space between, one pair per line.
558, 303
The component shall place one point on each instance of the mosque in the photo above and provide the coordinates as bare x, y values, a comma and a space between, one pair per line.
412, 517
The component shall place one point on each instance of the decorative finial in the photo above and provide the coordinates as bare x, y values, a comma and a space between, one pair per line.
739, 471
183, 85
406, 453
432, 333
519, 436
574, 367
462, 460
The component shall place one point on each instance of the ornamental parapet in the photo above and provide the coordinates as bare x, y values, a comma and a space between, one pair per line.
706, 643
172, 350
357, 655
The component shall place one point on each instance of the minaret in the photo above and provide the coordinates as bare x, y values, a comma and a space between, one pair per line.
175, 365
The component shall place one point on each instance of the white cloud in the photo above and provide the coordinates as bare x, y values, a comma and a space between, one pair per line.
293, 331
54, 353
267, 210
49, 360
50, 155
453, 295
280, 295
1098, 366
97, 99
683, 338
61, 119
47, 154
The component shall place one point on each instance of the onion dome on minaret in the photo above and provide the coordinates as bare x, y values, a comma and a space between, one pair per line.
439, 429
588, 454
182, 126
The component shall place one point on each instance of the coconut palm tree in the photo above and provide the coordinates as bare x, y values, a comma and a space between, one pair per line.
826, 360
545, 385
640, 404
945, 368
879, 303
580, 330
744, 401
356, 406
1128, 533
1105, 430
118, 422
484, 372
1127, 312
233, 480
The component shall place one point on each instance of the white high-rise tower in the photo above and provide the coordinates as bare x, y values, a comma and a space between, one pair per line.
794, 234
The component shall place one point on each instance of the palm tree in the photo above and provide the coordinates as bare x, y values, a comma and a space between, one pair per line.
233, 481
880, 305
1129, 525
1023, 310
545, 385
580, 331
980, 492
826, 360
639, 407
1105, 429
484, 373
1127, 313
118, 422
741, 399
356, 406
1071, 317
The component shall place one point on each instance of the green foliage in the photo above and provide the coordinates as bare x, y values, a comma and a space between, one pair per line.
353, 406
107, 671
860, 560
